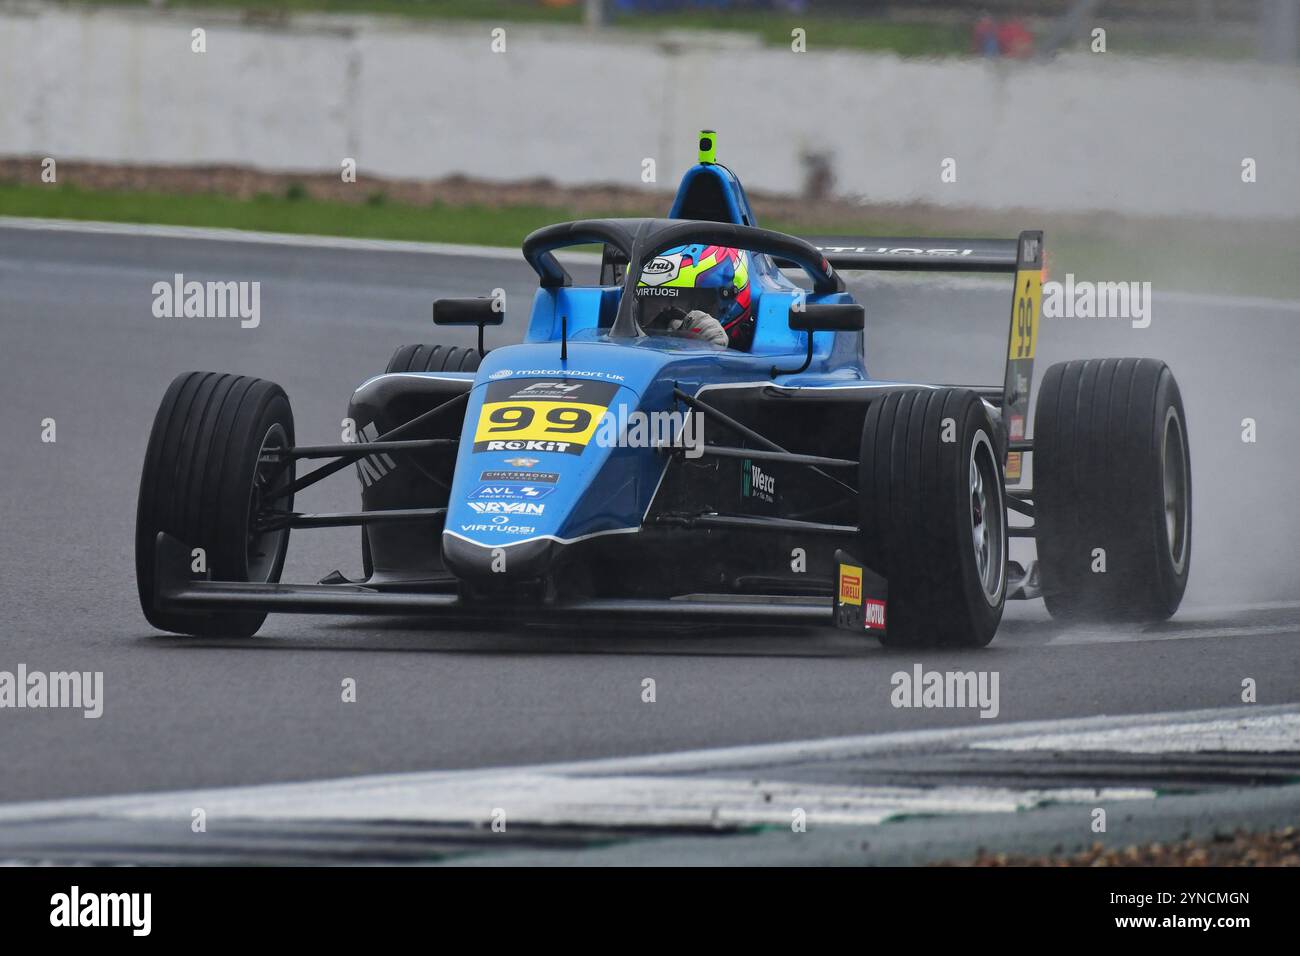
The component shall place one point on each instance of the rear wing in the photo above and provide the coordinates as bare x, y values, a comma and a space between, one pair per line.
1021, 257
919, 255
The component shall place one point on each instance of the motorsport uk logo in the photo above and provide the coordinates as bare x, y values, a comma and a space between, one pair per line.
554, 373
73, 690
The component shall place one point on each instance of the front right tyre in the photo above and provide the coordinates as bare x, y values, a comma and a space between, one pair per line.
932, 511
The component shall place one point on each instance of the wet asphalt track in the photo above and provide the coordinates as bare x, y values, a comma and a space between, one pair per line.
78, 343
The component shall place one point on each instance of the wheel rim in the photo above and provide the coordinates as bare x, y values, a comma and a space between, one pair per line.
987, 519
1173, 465
264, 548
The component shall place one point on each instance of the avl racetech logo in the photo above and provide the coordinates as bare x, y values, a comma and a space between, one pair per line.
509, 492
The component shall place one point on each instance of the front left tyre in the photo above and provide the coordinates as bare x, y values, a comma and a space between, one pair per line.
209, 471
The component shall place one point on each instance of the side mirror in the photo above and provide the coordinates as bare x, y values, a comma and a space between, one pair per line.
828, 317
813, 317
480, 312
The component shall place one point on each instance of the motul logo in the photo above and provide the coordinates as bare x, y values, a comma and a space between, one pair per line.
873, 615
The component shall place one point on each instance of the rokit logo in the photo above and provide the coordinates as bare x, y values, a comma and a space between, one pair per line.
758, 483
530, 445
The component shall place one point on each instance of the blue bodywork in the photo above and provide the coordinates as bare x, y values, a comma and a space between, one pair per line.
606, 490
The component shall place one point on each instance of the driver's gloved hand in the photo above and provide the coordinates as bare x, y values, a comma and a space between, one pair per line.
701, 325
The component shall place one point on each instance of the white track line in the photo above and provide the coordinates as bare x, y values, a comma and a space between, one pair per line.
1275, 733
685, 788
94, 227
1078, 637
1229, 301
1191, 609
146, 230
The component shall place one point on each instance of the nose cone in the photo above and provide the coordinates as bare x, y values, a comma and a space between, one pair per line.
525, 560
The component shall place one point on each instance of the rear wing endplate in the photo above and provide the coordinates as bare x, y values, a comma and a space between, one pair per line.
1026, 310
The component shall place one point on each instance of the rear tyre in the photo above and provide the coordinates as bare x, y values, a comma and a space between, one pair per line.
933, 516
1112, 490
421, 358
433, 358
205, 479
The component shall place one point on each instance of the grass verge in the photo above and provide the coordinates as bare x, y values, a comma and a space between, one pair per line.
1194, 259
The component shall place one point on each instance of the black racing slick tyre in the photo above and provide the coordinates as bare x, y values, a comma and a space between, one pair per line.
1112, 490
433, 358
933, 516
206, 476
421, 358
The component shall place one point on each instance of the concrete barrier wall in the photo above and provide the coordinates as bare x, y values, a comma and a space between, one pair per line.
1081, 133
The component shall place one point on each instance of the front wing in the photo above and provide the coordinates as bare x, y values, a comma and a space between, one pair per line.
177, 591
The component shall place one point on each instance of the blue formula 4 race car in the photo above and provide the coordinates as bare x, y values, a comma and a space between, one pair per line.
695, 438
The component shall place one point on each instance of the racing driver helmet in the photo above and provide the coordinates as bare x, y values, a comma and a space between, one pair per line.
711, 279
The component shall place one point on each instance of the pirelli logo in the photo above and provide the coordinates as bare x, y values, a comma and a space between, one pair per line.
850, 584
